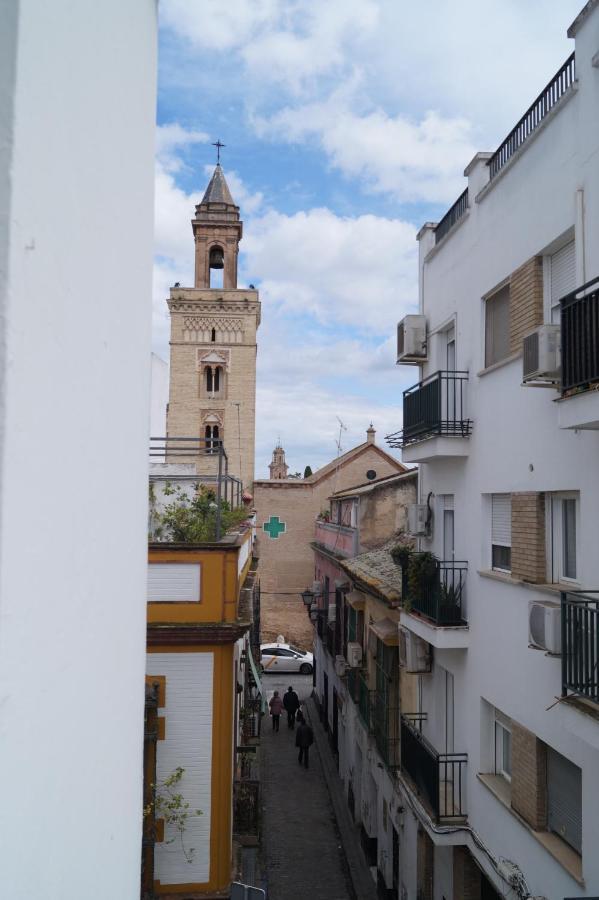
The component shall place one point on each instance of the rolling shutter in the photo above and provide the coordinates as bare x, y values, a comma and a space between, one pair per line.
501, 515
563, 272
564, 798
173, 582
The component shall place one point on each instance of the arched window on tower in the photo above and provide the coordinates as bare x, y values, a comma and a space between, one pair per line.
213, 380
216, 262
212, 436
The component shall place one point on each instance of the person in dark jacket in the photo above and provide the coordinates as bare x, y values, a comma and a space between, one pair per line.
304, 740
291, 704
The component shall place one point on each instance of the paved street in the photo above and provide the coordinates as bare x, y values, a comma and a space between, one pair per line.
302, 849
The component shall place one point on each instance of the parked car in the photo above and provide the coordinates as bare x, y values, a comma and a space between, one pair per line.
285, 658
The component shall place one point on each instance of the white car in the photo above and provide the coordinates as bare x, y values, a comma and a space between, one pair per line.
285, 658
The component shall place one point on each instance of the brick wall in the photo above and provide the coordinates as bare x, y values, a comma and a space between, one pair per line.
466, 876
528, 537
526, 301
529, 777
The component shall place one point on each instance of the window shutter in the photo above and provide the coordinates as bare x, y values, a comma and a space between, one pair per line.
173, 582
563, 272
564, 798
501, 526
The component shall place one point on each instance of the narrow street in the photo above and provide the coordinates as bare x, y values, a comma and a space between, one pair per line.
303, 856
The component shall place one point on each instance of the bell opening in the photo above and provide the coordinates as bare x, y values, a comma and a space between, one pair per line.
217, 258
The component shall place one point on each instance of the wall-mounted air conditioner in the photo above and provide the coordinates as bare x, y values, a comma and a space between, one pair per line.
544, 626
411, 340
417, 520
332, 613
414, 653
541, 356
354, 655
340, 666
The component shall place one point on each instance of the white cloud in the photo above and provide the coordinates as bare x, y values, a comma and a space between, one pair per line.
359, 271
172, 138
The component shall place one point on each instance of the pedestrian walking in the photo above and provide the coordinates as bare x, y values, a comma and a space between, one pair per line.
276, 708
304, 740
291, 704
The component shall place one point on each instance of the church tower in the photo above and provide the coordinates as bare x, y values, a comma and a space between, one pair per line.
213, 342
278, 467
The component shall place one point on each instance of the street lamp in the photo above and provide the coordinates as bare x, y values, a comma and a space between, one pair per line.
308, 597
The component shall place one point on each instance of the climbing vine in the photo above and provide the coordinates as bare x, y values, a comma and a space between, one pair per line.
170, 805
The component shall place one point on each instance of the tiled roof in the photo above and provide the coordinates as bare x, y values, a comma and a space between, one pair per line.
377, 571
218, 189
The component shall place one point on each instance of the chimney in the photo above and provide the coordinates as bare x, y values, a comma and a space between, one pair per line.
370, 433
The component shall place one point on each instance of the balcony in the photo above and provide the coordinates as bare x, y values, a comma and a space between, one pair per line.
439, 779
433, 592
365, 702
434, 419
339, 540
579, 404
452, 216
580, 645
385, 722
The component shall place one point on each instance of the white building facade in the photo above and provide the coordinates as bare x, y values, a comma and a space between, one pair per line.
77, 122
506, 436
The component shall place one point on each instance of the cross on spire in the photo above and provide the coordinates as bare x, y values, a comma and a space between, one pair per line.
218, 146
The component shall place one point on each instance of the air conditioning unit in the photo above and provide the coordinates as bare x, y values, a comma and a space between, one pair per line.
317, 587
417, 520
541, 363
332, 613
411, 340
414, 653
340, 666
544, 626
354, 655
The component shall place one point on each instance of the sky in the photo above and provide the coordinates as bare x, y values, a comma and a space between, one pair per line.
347, 125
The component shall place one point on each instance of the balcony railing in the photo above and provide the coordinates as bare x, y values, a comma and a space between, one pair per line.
580, 644
451, 216
435, 406
439, 778
342, 540
385, 722
246, 806
580, 337
439, 595
534, 115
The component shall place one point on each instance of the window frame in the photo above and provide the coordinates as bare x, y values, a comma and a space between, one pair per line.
555, 536
502, 726
493, 543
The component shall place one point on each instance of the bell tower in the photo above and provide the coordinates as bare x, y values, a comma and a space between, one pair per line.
278, 467
212, 392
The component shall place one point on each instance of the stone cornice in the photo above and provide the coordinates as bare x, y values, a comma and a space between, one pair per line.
220, 308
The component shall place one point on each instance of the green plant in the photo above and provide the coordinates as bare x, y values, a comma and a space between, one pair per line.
422, 570
307, 471
401, 554
192, 520
170, 805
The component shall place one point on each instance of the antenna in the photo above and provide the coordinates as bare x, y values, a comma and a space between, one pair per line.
342, 428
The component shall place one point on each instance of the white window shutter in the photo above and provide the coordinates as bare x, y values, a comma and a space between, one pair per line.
173, 582
563, 272
501, 516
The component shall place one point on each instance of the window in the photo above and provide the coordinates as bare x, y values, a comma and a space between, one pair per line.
213, 377
497, 326
213, 335
562, 278
503, 746
563, 536
213, 441
501, 532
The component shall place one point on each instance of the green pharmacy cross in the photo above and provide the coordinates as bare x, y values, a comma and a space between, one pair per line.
274, 527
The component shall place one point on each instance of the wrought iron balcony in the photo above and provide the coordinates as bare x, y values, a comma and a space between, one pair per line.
246, 807
580, 337
435, 588
439, 778
434, 407
453, 214
580, 644
385, 726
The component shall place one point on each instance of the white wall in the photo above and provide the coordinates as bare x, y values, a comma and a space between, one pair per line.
76, 174
517, 445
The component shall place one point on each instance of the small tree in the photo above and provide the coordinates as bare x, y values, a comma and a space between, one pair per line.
307, 472
192, 520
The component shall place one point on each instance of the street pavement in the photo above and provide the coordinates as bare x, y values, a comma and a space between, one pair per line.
303, 855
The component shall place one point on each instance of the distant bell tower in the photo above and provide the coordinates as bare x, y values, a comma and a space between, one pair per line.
213, 342
278, 467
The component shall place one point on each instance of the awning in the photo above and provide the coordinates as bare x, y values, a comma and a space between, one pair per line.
355, 599
387, 631
256, 677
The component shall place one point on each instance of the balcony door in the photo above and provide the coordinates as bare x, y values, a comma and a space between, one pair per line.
448, 527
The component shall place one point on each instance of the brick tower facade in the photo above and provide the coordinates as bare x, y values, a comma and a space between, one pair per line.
213, 341
278, 467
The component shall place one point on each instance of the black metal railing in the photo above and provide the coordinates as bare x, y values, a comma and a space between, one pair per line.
385, 727
579, 335
438, 593
435, 406
451, 216
580, 644
207, 454
330, 639
534, 115
439, 778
